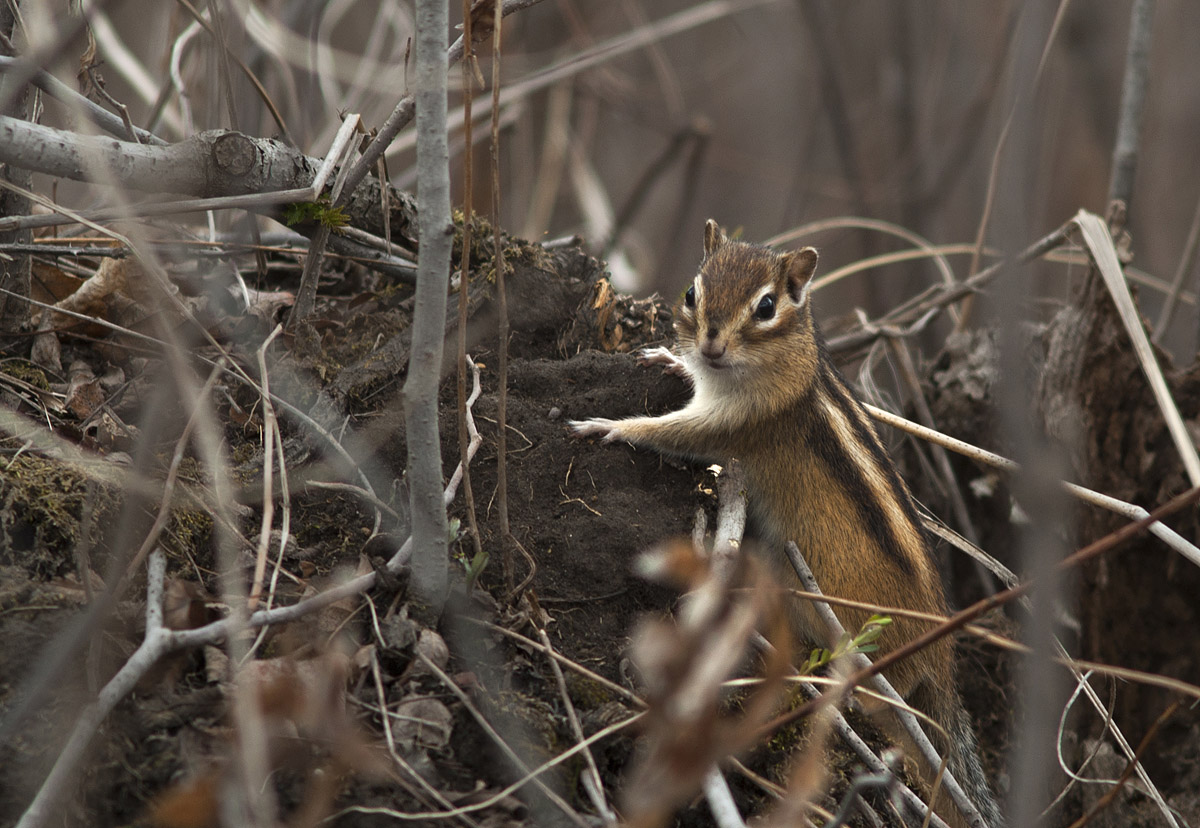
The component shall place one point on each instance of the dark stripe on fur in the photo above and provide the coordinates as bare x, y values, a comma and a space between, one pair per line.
824, 440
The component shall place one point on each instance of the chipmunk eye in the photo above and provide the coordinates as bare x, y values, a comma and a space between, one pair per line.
689, 298
766, 307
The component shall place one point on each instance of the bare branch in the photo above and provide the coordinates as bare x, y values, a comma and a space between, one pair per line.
429, 527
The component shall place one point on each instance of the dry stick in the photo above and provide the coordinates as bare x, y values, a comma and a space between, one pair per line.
402, 115
1133, 763
872, 762
499, 741
1133, 100
944, 295
505, 792
608, 684
731, 523
429, 526
246, 70
104, 471
1063, 657
160, 279
109, 597
1186, 262
907, 719
835, 103
306, 293
272, 446
1160, 530
595, 789
720, 800
97, 114
464, 276
908, 375
506, 537
654, 172
984, 605
878, 226
1105, 260
385, 716
165, 641
156, 643
731, 519
994, 171
1075, 778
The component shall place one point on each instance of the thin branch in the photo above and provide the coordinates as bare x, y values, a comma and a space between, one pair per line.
402, 115
881, 684
1186, 262
516, 761
429, 525
164, 641
1163, 532
596, 788
478, 560
1133, 103
502, 315
1019, 99
155, 644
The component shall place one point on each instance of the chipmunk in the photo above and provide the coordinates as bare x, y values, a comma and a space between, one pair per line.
765, 391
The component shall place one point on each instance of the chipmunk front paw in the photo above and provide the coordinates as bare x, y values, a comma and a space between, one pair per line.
606, 430
670, 363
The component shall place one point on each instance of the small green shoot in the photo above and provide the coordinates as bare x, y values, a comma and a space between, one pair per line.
320, 211
864, 643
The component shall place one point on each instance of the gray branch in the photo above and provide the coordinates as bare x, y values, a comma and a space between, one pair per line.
429, 528
1133, 100
212, 164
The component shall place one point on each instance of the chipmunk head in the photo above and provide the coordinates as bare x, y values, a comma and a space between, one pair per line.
747, 309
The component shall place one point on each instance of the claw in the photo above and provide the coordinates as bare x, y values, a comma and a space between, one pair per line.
671, 363
606, 430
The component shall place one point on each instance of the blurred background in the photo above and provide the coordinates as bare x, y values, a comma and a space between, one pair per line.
629, 122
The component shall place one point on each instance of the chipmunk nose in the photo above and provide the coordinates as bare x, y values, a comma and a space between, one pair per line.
712, 347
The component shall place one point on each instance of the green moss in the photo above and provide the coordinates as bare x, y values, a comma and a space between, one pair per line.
187, 531
586, 693
26, 372
320, 211
43, 504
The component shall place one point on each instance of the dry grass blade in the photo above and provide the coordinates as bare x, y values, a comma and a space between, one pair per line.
1104, 254
927, 247
1160, 530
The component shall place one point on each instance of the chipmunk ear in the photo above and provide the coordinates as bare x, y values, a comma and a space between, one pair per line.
713, 237
798, 267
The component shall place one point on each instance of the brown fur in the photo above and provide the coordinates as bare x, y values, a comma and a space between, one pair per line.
767, 393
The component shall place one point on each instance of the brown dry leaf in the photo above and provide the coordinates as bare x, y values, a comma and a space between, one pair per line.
84, 394
311, 694
51, 284
604, 303
185, 605
684, 665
